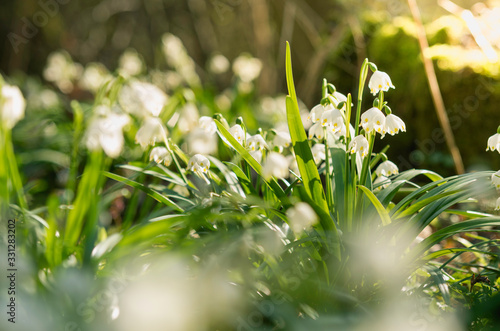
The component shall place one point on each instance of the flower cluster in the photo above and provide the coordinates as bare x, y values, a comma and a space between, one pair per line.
492, 145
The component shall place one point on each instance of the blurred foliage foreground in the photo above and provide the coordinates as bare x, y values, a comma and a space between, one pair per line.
144, 211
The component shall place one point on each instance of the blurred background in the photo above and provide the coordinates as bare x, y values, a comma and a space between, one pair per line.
329, 40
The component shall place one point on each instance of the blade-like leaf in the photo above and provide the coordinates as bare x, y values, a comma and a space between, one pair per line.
382, 212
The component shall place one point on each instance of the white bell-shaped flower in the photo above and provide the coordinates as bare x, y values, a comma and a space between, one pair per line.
12, 105
151, 131
275, 165
333, 119
160, 155
318, 152
199, 163
387, 169
282, 139
257, 155
208, 124
201, 141
317, 111
494, 143
256, 143
316, 130
142, 99
373, 119
497, 204
359, 144
301, 217
381, 182
379, 81
238, 133
394, 124
495, 179
106, 132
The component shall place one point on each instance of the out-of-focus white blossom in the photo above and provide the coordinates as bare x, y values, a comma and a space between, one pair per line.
256, 142
130, 64
94, 76
189, 117
393, 124
275, 165
292, 164
218, 64
373, 119
160, 155
387, 169
207, 123
301, 217
281, 140
199, 163
379, 81
318, 152
247, 68
497, 204
201, 141
142, 99
105, 132
12, 106
62, 71
495, 179
257, 155
151, 131
359, 144
178, 58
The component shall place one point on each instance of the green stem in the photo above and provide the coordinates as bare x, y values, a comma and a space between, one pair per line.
362, 79
14, 171
329, 199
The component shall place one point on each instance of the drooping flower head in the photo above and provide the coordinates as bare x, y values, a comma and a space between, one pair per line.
238, 133
318, 152
105, 132
256, 143
301, 217
359, 144
316, 130
160, 155
387, 168
199, 165
317, 111
207, 123
12, 106
142, 99
333, 119
497, 204
373, 119
494, 143
495, 179
379, 81
394, 124
381, 182
281, 139
151, 131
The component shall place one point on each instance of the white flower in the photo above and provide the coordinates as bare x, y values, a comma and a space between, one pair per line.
142, 99
130, 63
381, 182
359, 144
373, 119
301, 217
106, 132
495, 179
393, 124
318, 152
317, 111
160, 155
497, 204
387, 169
339, 97
200, 141
151, 131
62, 71
256, 142
94, 76
247, 68
316, 130
238, 133
188, 118
257, 155
199, 163
282, 139
494, 143
275, 165
12, 105
379, 81
218, 64
208, 124
332, 119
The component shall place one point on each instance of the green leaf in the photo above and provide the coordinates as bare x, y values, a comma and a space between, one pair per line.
384, 215
155, 195
305, 161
